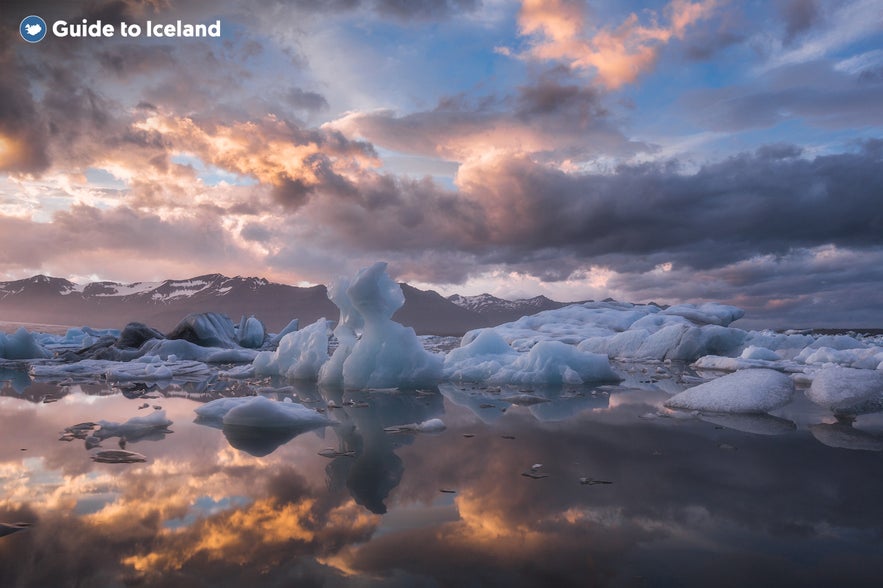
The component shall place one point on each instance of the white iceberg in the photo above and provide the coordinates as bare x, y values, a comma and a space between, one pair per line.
261, 412
745, 391
847, 390
154, 425
488, 358
299, 356
388, 354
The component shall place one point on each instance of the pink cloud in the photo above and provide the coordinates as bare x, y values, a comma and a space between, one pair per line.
560, 32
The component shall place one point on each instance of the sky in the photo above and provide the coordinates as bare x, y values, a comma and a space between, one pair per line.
667, 151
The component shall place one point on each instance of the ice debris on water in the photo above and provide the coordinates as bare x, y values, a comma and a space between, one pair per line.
118, 456
745, 391
429, 426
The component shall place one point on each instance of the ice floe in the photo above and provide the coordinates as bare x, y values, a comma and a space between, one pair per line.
847, 390
745, 391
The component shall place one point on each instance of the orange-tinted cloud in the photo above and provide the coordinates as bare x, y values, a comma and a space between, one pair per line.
618, 55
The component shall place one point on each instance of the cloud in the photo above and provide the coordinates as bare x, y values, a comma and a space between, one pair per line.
799, 16
818, 93
549, 116
560, 32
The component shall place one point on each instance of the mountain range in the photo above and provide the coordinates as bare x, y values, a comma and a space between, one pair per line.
47, 300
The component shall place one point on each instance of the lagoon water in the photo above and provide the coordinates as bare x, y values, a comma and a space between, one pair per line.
594, 487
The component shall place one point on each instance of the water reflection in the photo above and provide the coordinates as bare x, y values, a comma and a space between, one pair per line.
690, 503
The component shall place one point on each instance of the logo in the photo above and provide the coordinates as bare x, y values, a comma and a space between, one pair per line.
32, 29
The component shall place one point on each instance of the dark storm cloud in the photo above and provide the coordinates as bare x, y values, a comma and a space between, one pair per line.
21, 125
815, 92
747, 205
799, 16
514, 213
134, 60
309, 101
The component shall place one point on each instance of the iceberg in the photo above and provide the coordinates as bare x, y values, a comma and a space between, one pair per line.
745, 391
206, 329
251, 332
152, 426
299, 356
257, 411
258, 425
388, 354
260, 411
488, 358
847, 390
21, 345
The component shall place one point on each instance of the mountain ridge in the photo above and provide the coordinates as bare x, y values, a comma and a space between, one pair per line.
106, 304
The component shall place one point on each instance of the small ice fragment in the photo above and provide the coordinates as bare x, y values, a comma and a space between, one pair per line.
332, 453
592, 481
118, 456
535, 475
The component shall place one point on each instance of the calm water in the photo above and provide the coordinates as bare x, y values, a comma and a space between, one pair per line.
686, 502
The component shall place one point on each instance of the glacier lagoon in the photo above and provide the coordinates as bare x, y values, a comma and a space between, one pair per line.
577, 486
603, 444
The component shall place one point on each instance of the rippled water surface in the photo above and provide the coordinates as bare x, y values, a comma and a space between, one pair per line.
591, 487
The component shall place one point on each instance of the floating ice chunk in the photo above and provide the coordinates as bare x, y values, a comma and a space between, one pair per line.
732, 364
479, 359
672, 339
710, 313
430, 426
251, 332
745, 391
623, 344
847, 390
553, 362
754, 352
118, 456
839, 342
142, 371
259, 411
169, 350
487, 342
155, 425
213, 412
299, 356
388, 355
289, 328
206, 329
862, 358
134, 335
21, 345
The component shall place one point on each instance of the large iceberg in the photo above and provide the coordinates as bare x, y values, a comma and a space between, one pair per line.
488, 358
373, 351
388, 354
299, 356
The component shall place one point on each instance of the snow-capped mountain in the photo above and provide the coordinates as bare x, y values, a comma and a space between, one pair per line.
47, 300
498, 310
